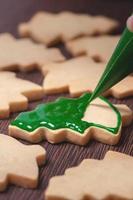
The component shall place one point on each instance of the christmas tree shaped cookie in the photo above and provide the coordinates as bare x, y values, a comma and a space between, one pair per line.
98, 48
19, 163
25, 55
15, 93
110, 178
50, 28
73, 120
80, 75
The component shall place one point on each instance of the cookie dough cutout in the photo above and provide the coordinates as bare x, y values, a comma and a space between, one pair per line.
19, 163
80, 75
72, 120
95, 179
24, 55
99, 48
15, 93
49, 28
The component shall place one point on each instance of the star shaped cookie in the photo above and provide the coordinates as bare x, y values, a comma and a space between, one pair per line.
49, 28
25, 55
98, 48
15, 93
110, 178
73, 120
19, 163
80, 75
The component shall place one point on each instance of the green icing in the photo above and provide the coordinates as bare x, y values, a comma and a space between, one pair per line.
63, 113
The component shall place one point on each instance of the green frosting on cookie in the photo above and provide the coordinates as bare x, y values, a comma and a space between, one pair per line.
63, 113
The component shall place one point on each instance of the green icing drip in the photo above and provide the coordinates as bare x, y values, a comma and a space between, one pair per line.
63, 113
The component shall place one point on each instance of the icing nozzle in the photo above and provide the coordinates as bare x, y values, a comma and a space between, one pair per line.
119, 66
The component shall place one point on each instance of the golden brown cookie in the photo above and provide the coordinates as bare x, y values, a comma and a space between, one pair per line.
25, 55
19, 163
98, 48
110, 178
15, 93
80, 75
48, 28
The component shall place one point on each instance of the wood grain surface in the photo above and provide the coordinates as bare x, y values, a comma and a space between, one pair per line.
61, 156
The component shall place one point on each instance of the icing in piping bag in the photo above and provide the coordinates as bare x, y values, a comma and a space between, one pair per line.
119, 66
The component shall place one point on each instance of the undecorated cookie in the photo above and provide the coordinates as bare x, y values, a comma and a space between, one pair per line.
80, 75
73, 120
110, 178
98, 48
49, 28
15, 93
19, 163
25, 55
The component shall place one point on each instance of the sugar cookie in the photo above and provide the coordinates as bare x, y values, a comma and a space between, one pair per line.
15, 93
80, 75
19, 163
98, 48
49, 28
73, 120
110, 178
25, 55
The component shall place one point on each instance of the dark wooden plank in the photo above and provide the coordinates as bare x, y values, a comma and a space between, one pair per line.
61, 156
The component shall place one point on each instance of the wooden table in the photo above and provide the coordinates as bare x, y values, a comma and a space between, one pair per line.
62, 156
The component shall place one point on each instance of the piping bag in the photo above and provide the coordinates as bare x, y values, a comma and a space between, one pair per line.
119, 66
